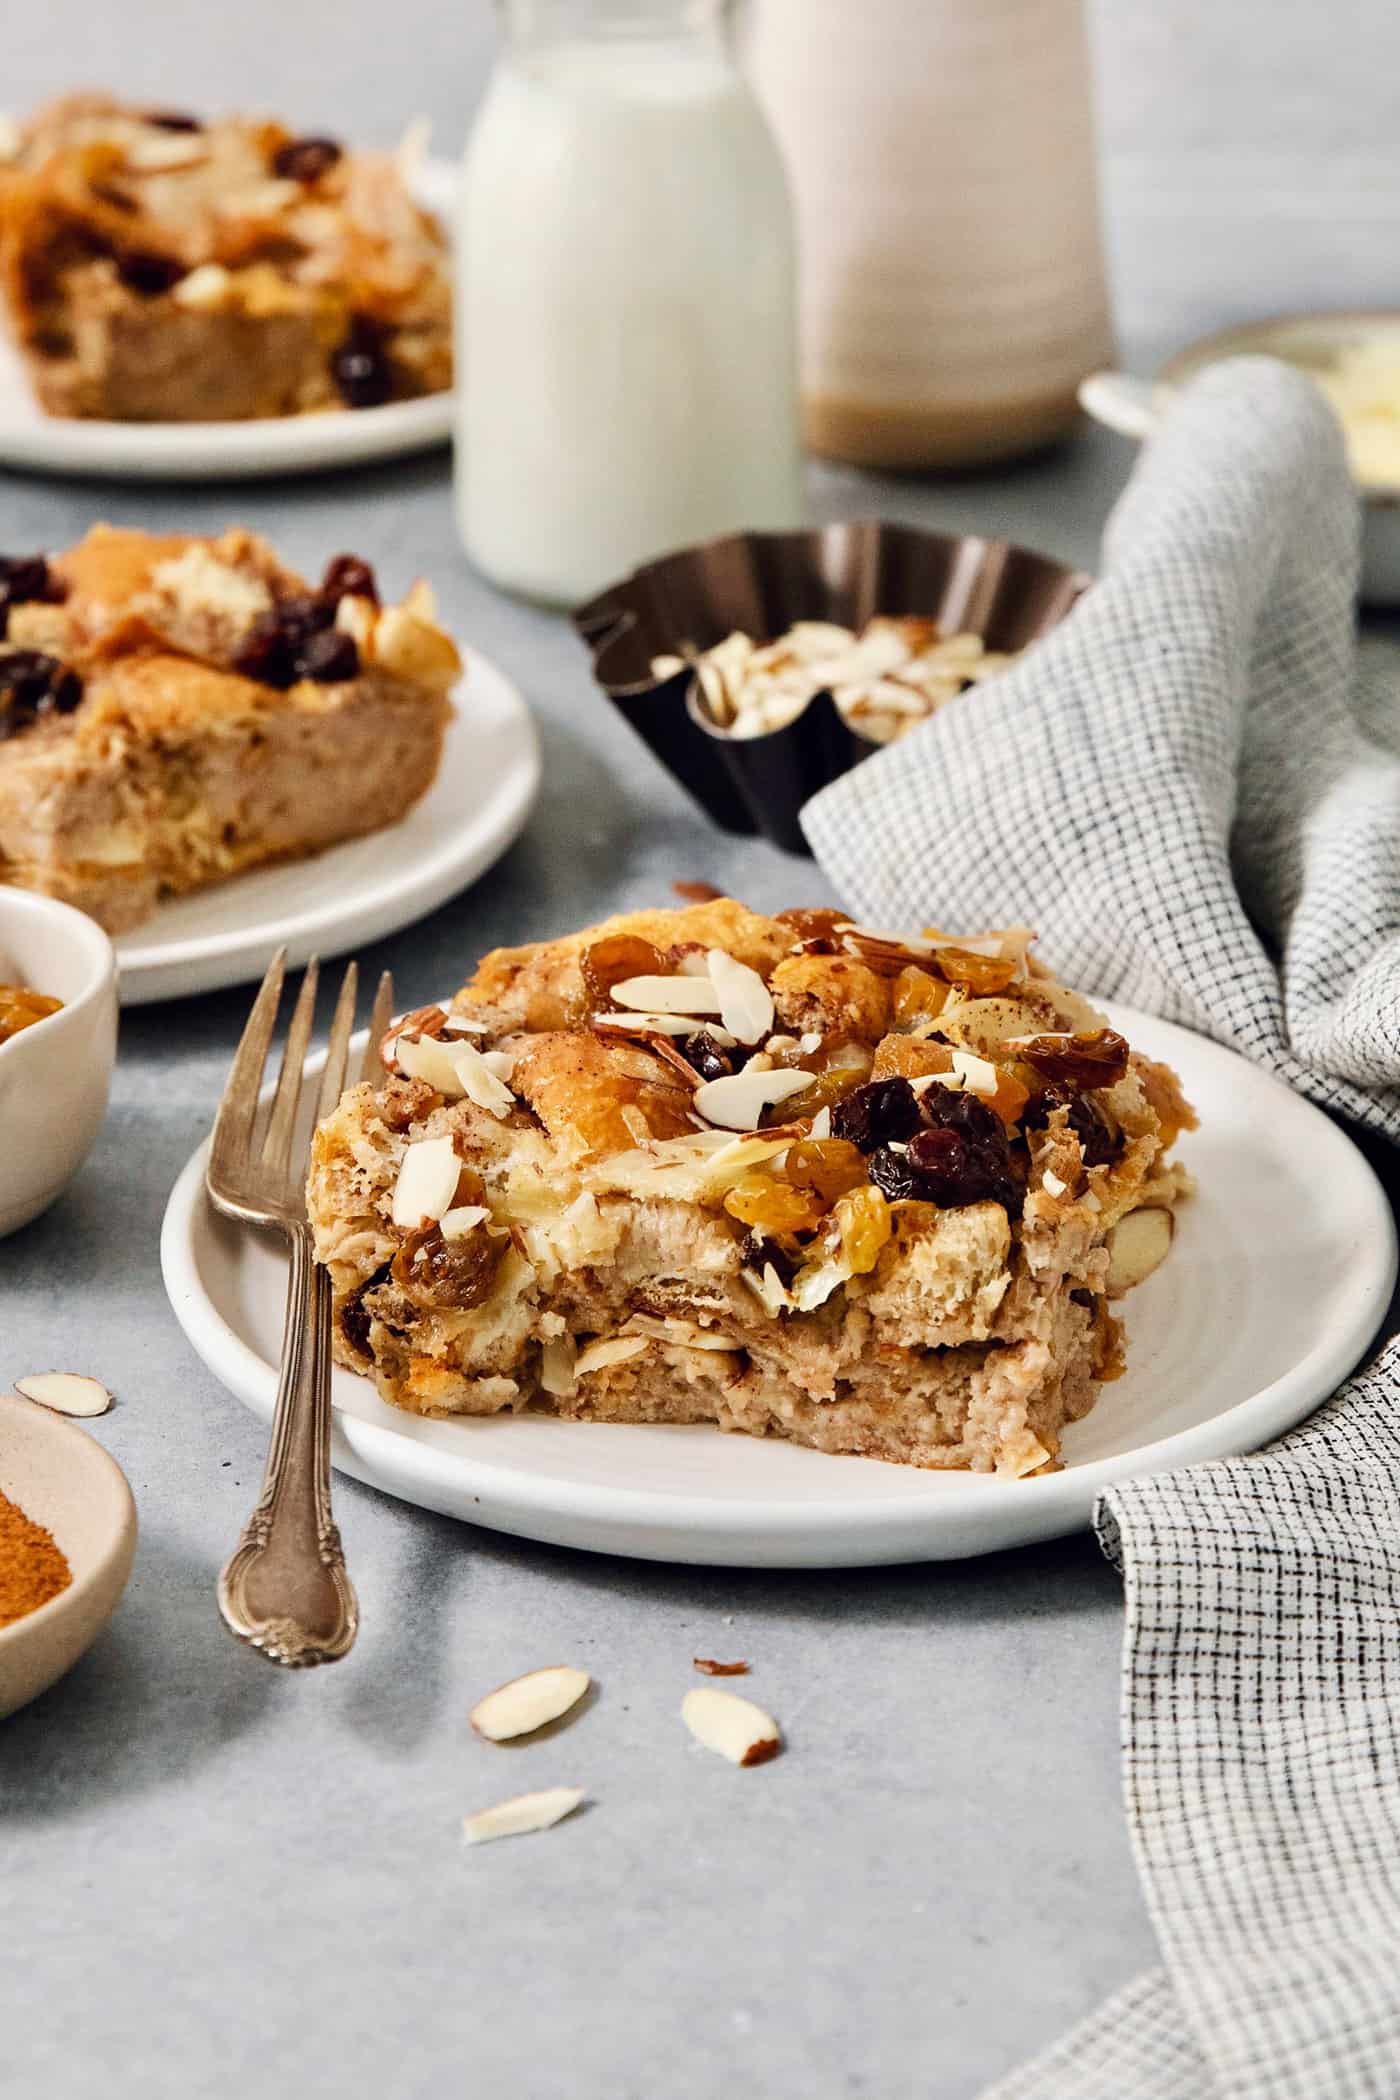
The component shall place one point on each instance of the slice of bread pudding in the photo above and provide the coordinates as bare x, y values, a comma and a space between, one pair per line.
868, 1191
176, 710
160, 268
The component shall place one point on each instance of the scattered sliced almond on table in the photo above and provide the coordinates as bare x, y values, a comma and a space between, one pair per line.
710, 1668
522, 1814
735, 1727
529, 1702
66, 1392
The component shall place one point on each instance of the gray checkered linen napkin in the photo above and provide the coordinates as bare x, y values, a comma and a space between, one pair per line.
1192, 788
1193, 791
1261, 1732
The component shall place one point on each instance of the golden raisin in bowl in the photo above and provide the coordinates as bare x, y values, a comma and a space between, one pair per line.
21, 1007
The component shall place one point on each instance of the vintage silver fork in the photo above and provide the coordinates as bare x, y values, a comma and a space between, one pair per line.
286, 1590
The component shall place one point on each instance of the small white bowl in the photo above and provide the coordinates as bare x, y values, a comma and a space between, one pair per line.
55, 1074
1310, 340
63, 1479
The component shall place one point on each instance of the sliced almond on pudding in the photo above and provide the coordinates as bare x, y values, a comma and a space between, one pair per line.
737, 1101
1137, 1245
426, 1184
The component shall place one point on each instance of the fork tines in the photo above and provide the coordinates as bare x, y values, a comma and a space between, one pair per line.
247, 1145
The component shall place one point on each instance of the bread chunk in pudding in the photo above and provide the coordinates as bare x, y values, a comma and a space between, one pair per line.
787, 1175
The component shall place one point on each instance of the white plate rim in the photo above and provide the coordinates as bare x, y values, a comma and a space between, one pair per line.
1048, 1507
151, 969
254, 449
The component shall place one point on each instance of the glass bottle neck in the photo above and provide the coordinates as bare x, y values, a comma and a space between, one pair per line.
529, 24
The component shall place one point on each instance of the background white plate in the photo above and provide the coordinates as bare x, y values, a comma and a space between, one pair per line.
1280, 1275
354, 893
230, 451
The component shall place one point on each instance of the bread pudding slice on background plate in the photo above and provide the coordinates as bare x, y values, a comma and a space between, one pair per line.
189, 294
877, 1200
178, 713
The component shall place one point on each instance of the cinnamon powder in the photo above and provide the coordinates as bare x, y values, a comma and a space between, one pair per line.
32, 1568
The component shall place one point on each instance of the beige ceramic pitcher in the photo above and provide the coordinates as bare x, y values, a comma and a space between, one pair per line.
941, 156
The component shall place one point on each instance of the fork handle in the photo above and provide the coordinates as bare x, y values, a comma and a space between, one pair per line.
285, 1590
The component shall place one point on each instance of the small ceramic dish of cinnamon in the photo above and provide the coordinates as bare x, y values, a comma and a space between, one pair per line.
67, 1537
659, 640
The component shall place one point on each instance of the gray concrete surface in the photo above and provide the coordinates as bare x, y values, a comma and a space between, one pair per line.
220, 1880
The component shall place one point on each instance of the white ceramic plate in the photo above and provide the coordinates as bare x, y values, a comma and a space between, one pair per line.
230, 451
368, 887
1280, 1275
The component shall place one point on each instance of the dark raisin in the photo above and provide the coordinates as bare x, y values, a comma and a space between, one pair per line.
757, 1252
171, 120
946, 1108
24, 580
354, 1316
305, 160
981, 1166
707, 1057
328, 657
882, 1112
144, 271
304, 613
269, 654
296, 639
360, 367
34, 685
893, 1175
1099, 1144
348, 577
962, 1155
954, 1169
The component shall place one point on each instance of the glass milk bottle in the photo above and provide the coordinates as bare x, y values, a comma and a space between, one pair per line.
626, 311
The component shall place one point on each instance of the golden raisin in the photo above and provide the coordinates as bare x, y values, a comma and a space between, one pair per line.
1078, 1063
470, 1187
827, 1166
863, 1219
825, 1091
608, 962
983, 974
453, 1274
1010, 1097
775, 1208
814, 925
917, 997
